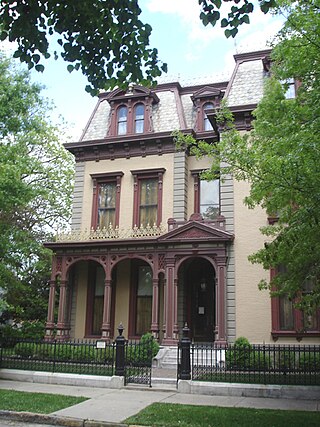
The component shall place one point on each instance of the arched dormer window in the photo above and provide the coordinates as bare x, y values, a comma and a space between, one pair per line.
206, 123
131, 111
139, 118
122, 120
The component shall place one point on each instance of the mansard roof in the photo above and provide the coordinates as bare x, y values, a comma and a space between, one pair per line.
172, 105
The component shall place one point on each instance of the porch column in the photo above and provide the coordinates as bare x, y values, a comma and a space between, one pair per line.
221, 336
170, 302
62, 327
155, 310
106, 320
51, 304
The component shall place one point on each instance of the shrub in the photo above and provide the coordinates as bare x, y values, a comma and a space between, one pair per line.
285, 359
309, 362
238, 356
25, 349
143, 351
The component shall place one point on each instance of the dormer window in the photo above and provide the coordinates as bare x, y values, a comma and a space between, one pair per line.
206, 123
139, 118
205, 99
122, 120
131, 111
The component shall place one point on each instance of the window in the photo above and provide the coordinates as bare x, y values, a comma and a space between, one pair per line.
144, 300
139, 118
106, 205
147, 201
95, 299
206, 123
106, 200
290, 88
148, 206
206, 196
288, 320
131, 111
122, 120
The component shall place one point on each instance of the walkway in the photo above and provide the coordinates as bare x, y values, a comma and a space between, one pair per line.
115, 405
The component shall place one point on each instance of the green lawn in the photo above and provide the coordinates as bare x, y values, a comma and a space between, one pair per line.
41, 403
174, 415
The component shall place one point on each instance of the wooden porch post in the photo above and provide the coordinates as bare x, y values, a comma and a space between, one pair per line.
155, 305
62, 327
51, 305
170, 303
106, 320
221, 336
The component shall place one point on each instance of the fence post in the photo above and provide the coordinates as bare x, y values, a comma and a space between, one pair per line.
120, 356
185, 343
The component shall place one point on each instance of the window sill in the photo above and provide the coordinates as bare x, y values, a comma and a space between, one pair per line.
298, 335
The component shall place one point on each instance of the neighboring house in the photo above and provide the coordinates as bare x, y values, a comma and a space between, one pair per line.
152, 245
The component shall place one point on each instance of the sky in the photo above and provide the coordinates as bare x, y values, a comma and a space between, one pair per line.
190, 50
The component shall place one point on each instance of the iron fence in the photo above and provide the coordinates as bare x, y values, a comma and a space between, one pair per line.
256, 364
138, 361
80, 357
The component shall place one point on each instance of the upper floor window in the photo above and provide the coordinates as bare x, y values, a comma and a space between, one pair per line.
209, 198
206, 196
107, 204
131, 111
139, 118
147, 209
106, 200
206, 122
122, 120
290, 88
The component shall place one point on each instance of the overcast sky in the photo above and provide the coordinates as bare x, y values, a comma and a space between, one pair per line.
190, 50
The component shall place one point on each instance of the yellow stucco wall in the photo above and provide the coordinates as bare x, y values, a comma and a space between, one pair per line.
126, 197
253, 307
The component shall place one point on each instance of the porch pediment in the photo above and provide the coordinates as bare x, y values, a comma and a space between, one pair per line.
196, 231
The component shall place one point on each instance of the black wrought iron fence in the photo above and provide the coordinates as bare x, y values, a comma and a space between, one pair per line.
258, 364
138, 360
81, 357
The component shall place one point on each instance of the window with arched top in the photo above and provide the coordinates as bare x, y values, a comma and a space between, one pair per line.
206, 123
139, 118
122, 119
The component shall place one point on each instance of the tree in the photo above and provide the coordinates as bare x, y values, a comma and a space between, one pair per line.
280, 158
103, 38
36, 174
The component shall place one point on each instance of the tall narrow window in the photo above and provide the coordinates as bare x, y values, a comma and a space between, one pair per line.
144, 300
107, 205
122, 120
97, 311
106, 199
139, 118
286, 313
209, 198
206, 123
148, 202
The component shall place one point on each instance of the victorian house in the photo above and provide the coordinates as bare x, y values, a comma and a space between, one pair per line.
153, 245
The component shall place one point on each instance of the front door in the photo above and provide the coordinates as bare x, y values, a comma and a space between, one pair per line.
200, 280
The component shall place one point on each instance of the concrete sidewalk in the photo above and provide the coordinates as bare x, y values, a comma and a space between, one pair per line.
112, 406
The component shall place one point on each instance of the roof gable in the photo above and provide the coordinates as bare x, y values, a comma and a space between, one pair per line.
197, 231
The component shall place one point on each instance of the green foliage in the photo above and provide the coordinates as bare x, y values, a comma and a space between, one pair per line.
33, 329
105, 39
237, 15
280, 158
144, 351
36, 174
241, 356
309, 362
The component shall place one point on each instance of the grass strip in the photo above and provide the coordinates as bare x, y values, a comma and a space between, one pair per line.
41, 403
177, 415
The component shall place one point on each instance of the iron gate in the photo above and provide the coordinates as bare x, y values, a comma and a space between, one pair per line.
138, 362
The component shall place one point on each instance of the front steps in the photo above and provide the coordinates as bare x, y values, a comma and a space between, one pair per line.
167, 358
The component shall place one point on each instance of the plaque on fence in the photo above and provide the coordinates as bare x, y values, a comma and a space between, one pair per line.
100, 344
